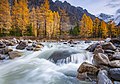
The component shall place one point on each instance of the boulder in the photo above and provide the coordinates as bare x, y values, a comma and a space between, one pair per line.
115, 63
116, 42
21, 45
108, 46
88, 68
98, 50
92, 47
30, 41
70, 41
114, 73
100, 59
88, 41
29, 48
36, 49
15, 54
5, 50
8, 43
109, 51
116, 56
2, 45
103, 77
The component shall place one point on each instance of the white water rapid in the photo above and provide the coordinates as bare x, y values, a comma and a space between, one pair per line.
39, 68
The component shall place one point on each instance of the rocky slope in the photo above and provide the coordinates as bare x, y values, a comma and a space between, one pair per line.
75, 13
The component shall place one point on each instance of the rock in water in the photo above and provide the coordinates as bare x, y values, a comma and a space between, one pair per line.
98, 50
21, 45
115, 64
115, 74
29, 48
108, 46
5, 50
2, 45
92, 47
88, 68
116, 42
103, 77
14, 54
116, 56
100, 59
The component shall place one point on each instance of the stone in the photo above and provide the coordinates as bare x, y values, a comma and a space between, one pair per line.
2, 57
103, 77
88, 68
29, 48
92, 47
36, 49
100, 59
88, 41
22, 45
98, 50
115, 56
15, 54
114, 73
109, 51
5, 50
2, 45
108, 46
115, 64
116, 42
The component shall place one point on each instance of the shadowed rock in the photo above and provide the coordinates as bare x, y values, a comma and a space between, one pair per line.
21, 45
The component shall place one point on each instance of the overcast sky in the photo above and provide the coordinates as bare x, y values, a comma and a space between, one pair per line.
97, 6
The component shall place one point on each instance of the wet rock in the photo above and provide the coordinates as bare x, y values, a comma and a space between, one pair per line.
88, 41
2, 57
100, 59
15, 54
5, 50
82, 76
88, 68
8, 43
109, 51
115, 56
29, 48
115, 74
36, 49
92, 47
30, 41
2, 45
116, 42
98, 50
21, 45
70, 41
108, 46
38, 46
115, 63
103, 77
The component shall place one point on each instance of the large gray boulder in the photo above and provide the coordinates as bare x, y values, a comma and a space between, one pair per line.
115, 64
115, 74
100, 59
108, 46
92, 47
15, 54
5, 50
22, 45
103, 77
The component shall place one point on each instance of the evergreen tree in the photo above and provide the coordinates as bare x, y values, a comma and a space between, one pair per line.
5, 18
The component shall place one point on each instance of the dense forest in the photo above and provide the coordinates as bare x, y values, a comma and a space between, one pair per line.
41, 21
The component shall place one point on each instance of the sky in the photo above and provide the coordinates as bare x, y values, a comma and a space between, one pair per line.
97, 6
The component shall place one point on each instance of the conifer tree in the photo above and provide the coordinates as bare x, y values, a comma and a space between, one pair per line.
5, 18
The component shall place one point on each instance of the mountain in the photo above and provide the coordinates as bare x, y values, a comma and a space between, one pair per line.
74, 13
115, 18
106, 17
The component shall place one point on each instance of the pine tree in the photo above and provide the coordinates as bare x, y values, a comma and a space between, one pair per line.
96, 28
20, 16
33, 21
5, 18
104, 30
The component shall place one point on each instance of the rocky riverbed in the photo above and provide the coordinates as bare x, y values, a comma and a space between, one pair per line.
70, 62
105, 67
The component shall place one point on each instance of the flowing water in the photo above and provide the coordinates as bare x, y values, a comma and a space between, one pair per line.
46, 66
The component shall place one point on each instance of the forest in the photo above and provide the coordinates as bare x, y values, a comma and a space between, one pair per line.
19, 20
